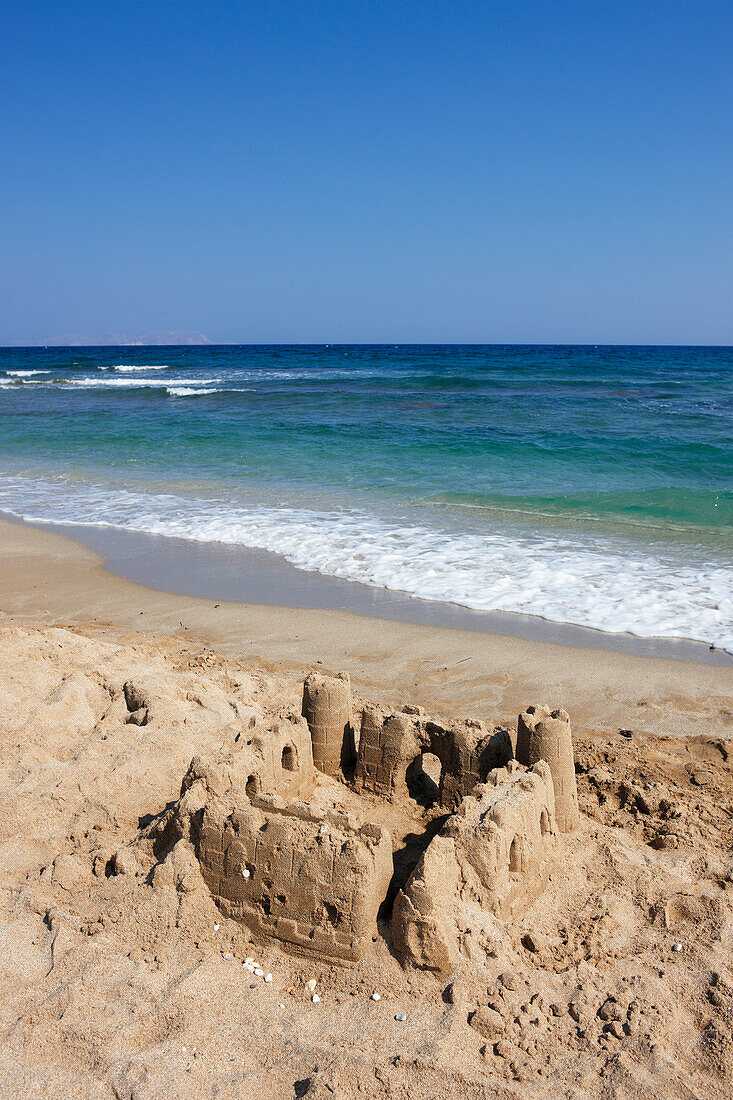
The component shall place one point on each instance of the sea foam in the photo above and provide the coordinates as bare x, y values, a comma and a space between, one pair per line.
100, 383
135, 368
606, 584
188, 391
26, 373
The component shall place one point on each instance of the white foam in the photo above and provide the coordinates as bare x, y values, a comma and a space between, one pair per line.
135, 368
111, 383
188, 391
26, 373
128, 383
599, 583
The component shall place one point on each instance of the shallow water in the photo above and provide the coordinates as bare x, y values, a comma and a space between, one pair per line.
591, 486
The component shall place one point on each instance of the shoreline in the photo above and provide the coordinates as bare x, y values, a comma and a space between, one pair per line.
47, 577
217, 571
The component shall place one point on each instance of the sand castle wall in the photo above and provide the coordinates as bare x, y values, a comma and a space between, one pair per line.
499, 846
286, 754
262, 760
314, 882
392, 743
506, 833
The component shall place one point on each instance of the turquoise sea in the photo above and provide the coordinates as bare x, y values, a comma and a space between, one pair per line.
587, 485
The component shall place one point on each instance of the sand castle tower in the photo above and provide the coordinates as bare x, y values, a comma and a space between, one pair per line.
327, 709
545, 735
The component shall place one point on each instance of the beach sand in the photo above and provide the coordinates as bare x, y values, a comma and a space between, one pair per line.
120, 977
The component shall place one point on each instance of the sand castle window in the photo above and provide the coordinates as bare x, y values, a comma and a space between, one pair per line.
332, 914
290, 759
544, 823
253, 786
515, 856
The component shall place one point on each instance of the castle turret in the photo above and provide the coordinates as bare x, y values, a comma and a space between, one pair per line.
545, 735
327, 709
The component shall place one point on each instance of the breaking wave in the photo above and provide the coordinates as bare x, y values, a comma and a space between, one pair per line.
135, 368
189, 391
603, 584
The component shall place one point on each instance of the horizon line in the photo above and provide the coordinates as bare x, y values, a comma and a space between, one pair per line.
366, 344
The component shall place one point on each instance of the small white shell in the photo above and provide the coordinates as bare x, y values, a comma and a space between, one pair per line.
245, 872
376, 996
400, 1016
316, 999
311, 984
259, 972
217, 927
268, 977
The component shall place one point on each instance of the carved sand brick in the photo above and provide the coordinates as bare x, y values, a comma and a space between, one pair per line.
313, 882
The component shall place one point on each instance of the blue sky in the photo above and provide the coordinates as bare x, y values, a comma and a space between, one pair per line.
367, 171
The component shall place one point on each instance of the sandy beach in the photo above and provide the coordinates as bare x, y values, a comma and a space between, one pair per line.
122, 977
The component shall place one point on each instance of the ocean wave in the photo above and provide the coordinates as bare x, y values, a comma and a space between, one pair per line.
135, 368
26, 373
130, 383
174, 387
189, 391
600, 583
667, 509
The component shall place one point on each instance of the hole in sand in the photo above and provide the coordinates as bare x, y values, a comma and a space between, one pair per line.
423, 779
290, 759
544, 823
253, 786
332, 913
515, 855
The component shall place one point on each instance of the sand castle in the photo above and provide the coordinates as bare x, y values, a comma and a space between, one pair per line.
316, 880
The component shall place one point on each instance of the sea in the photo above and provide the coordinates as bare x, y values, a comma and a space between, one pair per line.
581, 484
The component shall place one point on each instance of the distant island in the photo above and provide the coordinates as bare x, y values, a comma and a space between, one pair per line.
145, 338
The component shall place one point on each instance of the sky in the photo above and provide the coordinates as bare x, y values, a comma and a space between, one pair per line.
288, 171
